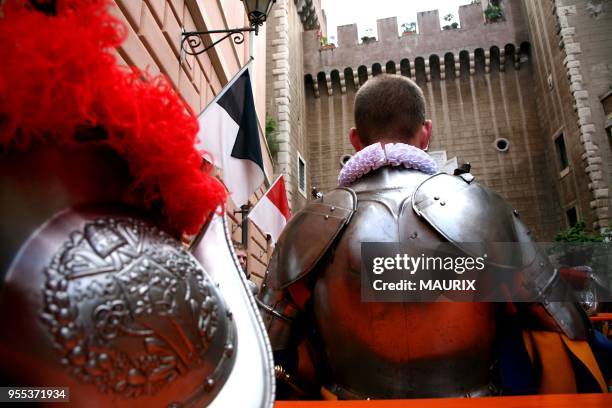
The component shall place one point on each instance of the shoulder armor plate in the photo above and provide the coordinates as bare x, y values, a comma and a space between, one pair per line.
463, 212
308, 236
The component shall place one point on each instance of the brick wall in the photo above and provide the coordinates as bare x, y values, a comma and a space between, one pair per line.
563, 52
153, 43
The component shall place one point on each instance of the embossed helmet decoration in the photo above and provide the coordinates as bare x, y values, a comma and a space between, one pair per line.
99, 181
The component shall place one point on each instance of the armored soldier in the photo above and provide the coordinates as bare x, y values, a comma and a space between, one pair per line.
329, 343
99, 183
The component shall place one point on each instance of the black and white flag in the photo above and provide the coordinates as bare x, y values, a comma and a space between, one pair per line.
229, 133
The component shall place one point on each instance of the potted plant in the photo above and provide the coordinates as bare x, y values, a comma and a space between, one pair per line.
368, 37
326, 45
493, 13
408, 28
450, 26
271, 138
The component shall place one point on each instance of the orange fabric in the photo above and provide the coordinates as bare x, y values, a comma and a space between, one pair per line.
601, 317
557, 372
583, 352
328, 395
531, 401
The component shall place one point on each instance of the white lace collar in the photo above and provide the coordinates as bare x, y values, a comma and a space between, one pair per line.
374, 156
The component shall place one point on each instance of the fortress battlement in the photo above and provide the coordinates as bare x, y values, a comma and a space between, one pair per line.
474, 42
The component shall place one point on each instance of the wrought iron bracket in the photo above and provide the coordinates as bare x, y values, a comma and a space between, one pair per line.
192, 42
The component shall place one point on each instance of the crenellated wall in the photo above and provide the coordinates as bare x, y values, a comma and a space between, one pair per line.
474, 33
478, 82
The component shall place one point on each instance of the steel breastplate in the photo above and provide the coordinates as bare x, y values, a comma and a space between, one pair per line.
395, 350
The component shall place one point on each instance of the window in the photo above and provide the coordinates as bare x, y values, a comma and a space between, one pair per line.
572, 216
301, 175
561, 152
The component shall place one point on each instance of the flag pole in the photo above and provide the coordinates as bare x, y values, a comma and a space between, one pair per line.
227, 86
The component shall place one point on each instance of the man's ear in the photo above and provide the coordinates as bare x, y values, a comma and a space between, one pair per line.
355, 139
425, 135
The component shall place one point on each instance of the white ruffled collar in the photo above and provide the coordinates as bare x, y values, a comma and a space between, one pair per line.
374, 156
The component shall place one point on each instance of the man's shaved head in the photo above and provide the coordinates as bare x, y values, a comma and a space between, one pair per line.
387, 108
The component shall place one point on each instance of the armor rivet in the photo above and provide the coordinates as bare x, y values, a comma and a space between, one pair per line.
229, 350
210, 383
442, 202
327, 217
332, 208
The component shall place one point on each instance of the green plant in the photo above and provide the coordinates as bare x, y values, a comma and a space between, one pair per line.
606, 234
409, 27
450, 26
368, 36
577, 233
493, 13
271, 136
577, 246
324, 40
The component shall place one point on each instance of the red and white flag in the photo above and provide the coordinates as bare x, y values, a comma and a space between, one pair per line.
271, 212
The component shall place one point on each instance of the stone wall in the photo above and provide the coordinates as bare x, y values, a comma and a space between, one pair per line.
593, 32
571, 49
285, 88
430, 40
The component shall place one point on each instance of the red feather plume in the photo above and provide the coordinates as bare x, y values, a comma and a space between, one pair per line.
58, 74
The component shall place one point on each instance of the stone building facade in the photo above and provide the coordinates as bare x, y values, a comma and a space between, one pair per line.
153, 43
290, 19
486, 87
572, 49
